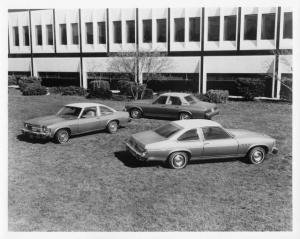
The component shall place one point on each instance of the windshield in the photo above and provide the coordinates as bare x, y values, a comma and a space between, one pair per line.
191, 99
69, 112
167, 130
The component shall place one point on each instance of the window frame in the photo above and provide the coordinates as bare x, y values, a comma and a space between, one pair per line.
177, 32
167, 98
197, 132
89, 33
159, 30
244, 34
284, 31
204, 139
145, 30
199, 29
263, 34
116, 32
89, 107
26, 40
99, 31
75, 39
62, 34
224, 30
128, 34
47, 35
210, 27
38, 29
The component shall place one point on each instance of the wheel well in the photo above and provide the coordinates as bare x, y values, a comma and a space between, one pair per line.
68, 129
187, 112
262, 146
135, 107
113, 120
185, 151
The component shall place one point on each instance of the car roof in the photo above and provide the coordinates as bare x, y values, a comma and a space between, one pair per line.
85, 104
179, 94
196, 123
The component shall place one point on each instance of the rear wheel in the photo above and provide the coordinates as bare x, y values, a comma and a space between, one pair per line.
135, 113
112, 127
257, 155
178, 160
62, 136
184, 116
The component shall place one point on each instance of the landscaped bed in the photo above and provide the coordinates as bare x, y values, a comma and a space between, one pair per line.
91, 184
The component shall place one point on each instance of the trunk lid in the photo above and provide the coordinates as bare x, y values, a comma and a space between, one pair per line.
147, 137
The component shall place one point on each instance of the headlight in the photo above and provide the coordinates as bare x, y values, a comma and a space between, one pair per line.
45, 129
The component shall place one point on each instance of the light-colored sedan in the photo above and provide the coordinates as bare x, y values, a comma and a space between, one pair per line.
184, 140
75, 119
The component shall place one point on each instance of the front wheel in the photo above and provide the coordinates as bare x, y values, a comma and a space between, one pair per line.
135, 113
178, 160
62, 136
112, 127
257, 155
184, 116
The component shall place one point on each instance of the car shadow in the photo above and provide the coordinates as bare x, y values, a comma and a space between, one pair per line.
220, 160
27, 139
128, 160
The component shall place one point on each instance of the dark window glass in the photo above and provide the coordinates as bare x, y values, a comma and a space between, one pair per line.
288, 25
194, 33
89, 33
160, 100
26, 35
39, 36
117, 32
191, 99
130, 31
213, 28
147, 31
229, 28
16, 36
89, 112
174, 101
179, 29
105, 110
250, 27
161, 30
268, 26
211, 133
75, 36
49, 34
63, 34
101, 33
167, 130
189, 135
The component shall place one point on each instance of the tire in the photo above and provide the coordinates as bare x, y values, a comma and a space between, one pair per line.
135, 113
178, 160
112, 127
184, 116
257, 155
62, 136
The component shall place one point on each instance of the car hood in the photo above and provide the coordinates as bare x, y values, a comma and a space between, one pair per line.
147, 137
46, 120
242, 133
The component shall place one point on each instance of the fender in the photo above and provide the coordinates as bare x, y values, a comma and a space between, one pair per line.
67, 128
134, 106
185, 111
257, 145
110, 120
180, 150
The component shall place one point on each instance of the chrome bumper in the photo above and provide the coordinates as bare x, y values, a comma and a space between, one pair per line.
135, 153
35, 134
274, 150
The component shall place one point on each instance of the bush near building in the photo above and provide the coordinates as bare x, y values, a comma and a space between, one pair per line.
99, 89
31, 86
250, 88
12, 80
217, 96
68, 90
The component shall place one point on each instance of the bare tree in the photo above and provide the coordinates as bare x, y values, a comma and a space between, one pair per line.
136, 64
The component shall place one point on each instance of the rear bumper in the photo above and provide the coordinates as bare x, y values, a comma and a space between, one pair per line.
35, 134
210, 114
135, 153
274, 150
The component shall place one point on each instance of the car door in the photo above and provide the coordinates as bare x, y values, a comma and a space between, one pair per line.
218, 143
158, 107
173, 106
106, 114
88, 120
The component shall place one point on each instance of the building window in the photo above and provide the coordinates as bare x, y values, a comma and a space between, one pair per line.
39, 36
26, 35
63, 34
117, 32
161, 30
16, 36
49, 32
179, 29
213, 28
250, 27
268, 26
101, 33
194, 34
288, 25
130, 31
89, 33
230, 28
75, 35
147, 31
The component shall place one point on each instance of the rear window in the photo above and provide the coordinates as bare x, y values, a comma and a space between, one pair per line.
168, 130
191, 99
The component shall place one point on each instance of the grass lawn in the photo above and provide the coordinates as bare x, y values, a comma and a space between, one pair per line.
91, 184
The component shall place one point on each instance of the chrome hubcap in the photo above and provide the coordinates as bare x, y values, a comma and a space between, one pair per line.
63, 137
257, 156
179, 160
135, 113
113, 126
184, 116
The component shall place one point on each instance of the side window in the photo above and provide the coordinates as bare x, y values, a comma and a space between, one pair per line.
189, 135
211, 133
161, 100
89, 112
105, 110
174, 101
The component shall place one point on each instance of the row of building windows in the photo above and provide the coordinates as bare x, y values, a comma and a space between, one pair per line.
229, 34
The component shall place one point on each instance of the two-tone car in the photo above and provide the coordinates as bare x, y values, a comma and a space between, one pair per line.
75, 119
173, 105
180, 141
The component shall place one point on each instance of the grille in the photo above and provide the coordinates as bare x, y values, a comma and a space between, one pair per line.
35, 128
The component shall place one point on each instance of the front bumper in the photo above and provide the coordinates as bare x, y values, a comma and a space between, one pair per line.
274, 150
210, 114
135, 153
34, 134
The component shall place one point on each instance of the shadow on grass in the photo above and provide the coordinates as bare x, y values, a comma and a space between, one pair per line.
27, 139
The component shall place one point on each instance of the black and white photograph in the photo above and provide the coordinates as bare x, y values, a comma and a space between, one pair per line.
150, 117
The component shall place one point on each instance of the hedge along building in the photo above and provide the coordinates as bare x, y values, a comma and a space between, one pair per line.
210, 47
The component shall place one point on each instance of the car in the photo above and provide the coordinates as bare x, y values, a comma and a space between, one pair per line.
180, 141
173, 105
75, 119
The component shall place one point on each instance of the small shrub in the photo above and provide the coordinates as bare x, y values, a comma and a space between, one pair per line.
99, 93
125, 86
202, 97
97, 84
250, 88
12, 80
217, 96
23, 81
148, 94
68, 90
34, 89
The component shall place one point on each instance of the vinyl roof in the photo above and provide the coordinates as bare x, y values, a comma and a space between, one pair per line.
84, 104
196, 123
